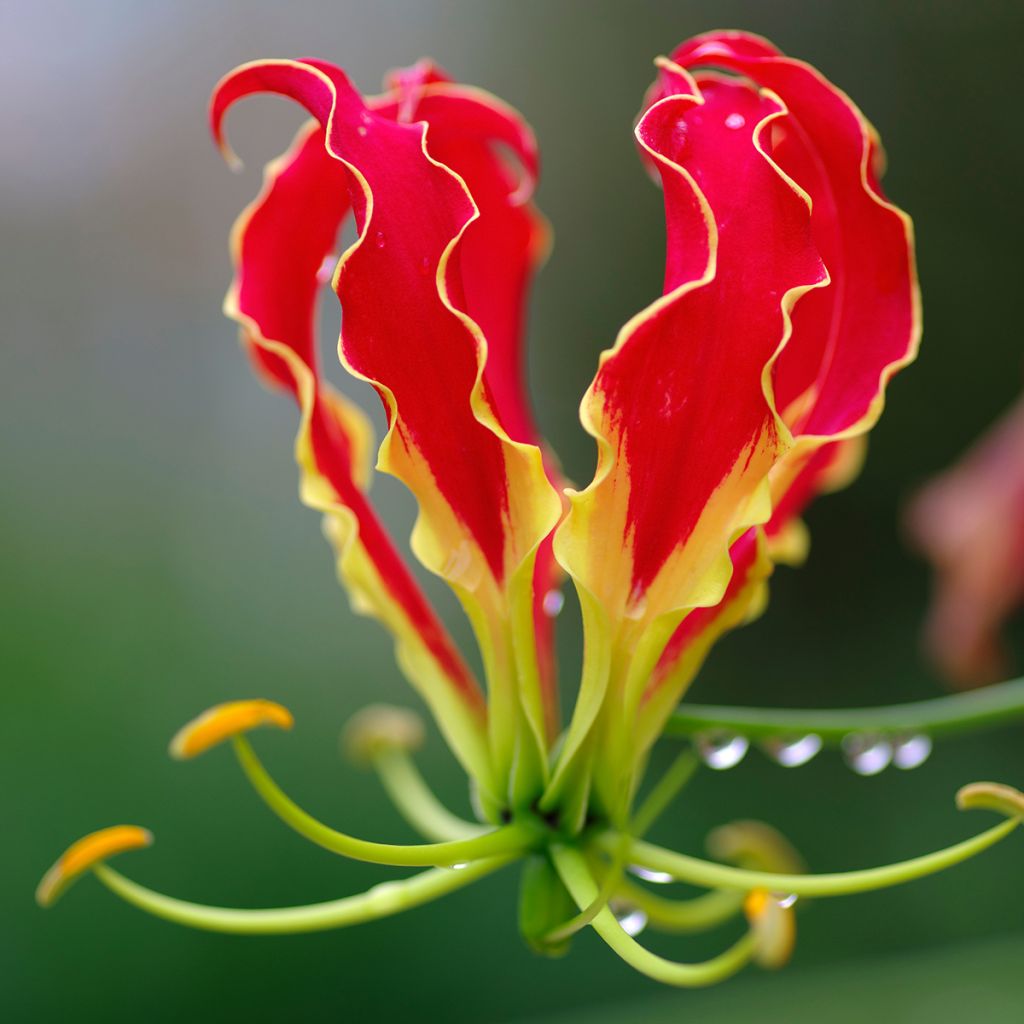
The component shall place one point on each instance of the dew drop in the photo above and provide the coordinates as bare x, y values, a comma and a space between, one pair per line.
794, 751
721, 750
459, 866
326, 271
379, 239
866, 754
459, 562
553, 603
657, 877
785, 900
425, 266
632, 920
911, 751
637, 609
735, 121
361, 129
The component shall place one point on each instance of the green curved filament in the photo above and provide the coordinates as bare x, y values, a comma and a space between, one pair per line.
416, 801
940, 716
509, 839
383, 900
572, 867
664, 791
723, 876
697, 914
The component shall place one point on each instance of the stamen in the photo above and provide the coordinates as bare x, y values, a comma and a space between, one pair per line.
516, 838
723, 876
224, 721
383, 900
773, 924
697, 914
991, 796
381, 737
87, 853
378, 728
664, 791
573, 869
755, 844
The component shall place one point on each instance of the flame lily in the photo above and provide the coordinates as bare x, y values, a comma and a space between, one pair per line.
970, 524
722, 409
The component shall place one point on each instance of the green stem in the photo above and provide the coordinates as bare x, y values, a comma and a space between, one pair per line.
572, 867
941, 716
664, 792
678, 916
723, 876
382, 900
416, 801
510, 839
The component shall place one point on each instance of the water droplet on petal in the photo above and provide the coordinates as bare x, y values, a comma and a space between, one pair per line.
792, 752
459, 563
637, 609
326, 271
866, 754
911, 751
785, 900
553, 603
379, 240
721, 750
459, 866
425, 266
361, 130
632, 920
735, 121
657, 877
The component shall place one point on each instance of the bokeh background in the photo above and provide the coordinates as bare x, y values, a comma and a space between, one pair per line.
154, 558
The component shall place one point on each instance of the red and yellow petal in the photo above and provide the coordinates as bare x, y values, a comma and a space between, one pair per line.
279, 244
485, 501
682, 407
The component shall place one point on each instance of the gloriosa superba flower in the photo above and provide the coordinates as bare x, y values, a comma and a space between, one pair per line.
723, 408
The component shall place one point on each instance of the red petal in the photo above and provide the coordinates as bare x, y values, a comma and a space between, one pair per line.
280, 242
970, 524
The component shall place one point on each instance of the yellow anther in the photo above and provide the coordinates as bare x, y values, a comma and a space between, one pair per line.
755, 845
991, 796
224, 721
381, 727
82, 855
773, 923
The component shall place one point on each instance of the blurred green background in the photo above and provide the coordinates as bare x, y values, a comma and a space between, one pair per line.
154, 558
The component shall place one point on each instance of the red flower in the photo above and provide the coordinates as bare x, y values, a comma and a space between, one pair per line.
970, 524
739, 394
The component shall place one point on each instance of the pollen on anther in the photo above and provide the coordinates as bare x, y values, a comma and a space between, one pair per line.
225, 721
88, 851
774, 927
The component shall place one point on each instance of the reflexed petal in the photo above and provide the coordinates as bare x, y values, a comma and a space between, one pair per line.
279, 244
485, 501
682, 407
848, 339
970, 524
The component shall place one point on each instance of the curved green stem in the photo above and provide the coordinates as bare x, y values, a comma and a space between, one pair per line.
664, 792
941, 716
416, 801
382, 900
573, 870
723, 876
510, 839
680, 916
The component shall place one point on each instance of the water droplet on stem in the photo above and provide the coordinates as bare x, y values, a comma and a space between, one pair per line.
867, 754
792, 751
721, 750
